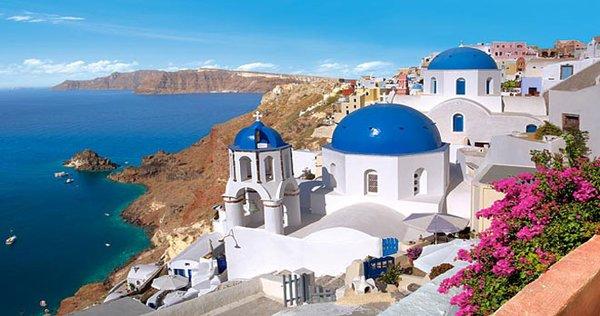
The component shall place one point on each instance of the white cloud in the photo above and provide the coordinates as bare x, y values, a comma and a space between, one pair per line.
19, 18
256, 66
210, 64
32, 17
372, 66
48, 67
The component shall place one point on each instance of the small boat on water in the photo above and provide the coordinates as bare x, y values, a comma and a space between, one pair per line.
60, 174
69, 180
106, 214
10, 240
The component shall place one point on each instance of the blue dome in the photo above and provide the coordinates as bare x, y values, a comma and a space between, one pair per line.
462, 58
257, 136
386, 129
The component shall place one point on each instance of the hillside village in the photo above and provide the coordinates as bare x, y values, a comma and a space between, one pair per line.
363, 195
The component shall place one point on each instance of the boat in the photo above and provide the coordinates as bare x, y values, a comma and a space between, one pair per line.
106, 214
107, 244
10, 240
60, 174
69, 180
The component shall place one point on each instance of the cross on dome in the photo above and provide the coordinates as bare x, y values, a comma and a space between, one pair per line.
257, 115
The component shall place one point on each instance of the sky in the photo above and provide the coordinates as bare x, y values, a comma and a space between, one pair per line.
44, 42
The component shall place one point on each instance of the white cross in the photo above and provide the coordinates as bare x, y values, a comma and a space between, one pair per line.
257, 115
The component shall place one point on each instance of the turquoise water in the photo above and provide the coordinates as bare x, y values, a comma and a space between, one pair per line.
62, 228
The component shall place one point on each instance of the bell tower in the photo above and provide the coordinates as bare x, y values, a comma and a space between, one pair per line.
261, 187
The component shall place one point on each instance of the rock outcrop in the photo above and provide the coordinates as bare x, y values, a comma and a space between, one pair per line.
186, 81
183, 187
88, 160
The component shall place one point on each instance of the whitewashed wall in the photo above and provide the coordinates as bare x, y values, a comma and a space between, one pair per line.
586, 104
326, 252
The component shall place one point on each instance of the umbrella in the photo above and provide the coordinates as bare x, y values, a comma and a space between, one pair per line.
170, 282
436, 223
434, 255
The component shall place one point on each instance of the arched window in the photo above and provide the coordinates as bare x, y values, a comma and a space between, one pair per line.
371, 182
458, 124
433, 85
531, 128
332, 181
245, 168
420, 182
489, 86
460, 86
268, 168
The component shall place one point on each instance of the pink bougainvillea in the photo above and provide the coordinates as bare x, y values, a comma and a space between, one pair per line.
556, 209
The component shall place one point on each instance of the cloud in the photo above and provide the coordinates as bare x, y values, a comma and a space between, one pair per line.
256, 66
19, 18
32, 17
48, 67
372, 66
210, 64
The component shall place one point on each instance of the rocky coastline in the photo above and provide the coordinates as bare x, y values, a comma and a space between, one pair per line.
182, 187
89, 160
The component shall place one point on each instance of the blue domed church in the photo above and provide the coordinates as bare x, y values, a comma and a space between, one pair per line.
387, 154
462, 95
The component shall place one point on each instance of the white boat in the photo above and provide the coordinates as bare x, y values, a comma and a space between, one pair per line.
10, 240
69, 180
60, 174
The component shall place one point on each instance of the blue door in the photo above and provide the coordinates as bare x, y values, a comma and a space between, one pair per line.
531, 128
390, 246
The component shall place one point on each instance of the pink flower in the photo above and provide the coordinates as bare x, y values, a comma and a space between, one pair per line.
527, 233
464, 255
585, 191
503, 268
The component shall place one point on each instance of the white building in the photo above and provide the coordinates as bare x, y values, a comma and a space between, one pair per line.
196, 262
461, 94
574, 104
554, 74
386, 154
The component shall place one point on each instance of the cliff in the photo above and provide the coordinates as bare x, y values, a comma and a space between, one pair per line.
183, 186
186, 81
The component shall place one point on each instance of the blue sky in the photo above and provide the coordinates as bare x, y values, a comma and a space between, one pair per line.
44, 42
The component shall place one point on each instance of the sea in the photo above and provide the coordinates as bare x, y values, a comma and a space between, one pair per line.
69, 234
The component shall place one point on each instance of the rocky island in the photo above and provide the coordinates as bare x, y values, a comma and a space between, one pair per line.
88, 160
186, 81
182, 187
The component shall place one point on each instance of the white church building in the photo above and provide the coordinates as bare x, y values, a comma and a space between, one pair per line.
385, 161
462, 95
386, 154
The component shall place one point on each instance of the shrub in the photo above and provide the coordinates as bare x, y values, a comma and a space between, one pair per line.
391, 275
438, 270
548, 129
414, 252
542, 217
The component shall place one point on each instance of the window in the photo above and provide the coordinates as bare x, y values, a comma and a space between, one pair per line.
269, 168
458, 124
570, 121
420, 182
332, 181
245, 168
371, 182
460, 86
566, 71
531, 128
433, 85
489, 86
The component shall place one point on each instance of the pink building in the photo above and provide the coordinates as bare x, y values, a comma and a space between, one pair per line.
510, 50
402, 88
